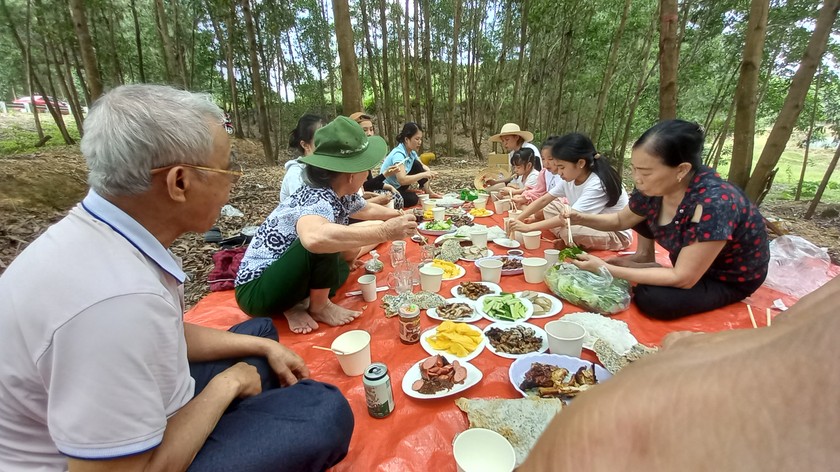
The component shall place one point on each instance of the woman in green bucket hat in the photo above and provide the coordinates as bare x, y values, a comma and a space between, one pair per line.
304, 250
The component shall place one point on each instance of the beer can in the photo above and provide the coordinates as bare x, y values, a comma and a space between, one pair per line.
378, 393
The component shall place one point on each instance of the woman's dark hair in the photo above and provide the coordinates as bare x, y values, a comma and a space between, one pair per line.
549, 141
573, 147
523, 156
408, 130
317, 177
305, 131
675, 142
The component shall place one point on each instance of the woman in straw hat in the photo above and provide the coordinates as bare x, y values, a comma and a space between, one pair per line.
305, 250
513, 139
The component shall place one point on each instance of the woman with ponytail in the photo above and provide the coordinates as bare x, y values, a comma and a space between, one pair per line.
591, 186
409, 168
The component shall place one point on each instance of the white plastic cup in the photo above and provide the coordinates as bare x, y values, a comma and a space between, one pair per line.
479, 237
501, 206
551, 256
480, 203
514, 213
534, 269
368, 285
423, 197
483, 450
439, 213
532, 239
355, 345
565, 337
428, 205
430, 278
491, 270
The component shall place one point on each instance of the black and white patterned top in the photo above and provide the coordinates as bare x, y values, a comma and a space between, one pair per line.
278, 231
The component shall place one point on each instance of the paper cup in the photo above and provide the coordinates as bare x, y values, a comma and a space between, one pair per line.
368, 285
479, 237
356, 348
514, 213
423, 197
428, 205
565, 337
534, 269
491, 270
480, 203
484, 450
532, 239
430, 278
439, 213
551, 256
501, 206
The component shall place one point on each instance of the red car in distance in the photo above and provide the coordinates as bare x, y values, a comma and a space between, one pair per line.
41, 103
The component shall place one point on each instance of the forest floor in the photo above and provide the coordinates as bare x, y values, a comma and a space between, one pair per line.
37, 189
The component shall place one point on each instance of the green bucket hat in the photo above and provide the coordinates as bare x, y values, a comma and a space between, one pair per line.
341, 146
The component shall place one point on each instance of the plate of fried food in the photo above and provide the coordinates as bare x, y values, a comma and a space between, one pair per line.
437, 377
475, 290
514, 340
511, 265
471, 253
455, 309
554, 375
453, 340
545, 305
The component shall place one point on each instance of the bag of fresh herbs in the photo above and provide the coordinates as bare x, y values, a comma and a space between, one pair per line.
598, 293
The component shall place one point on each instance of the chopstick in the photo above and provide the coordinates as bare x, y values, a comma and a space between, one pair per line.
512, 203
355, 293
341, 353
416, 231
769, 320
752, 318
569, 229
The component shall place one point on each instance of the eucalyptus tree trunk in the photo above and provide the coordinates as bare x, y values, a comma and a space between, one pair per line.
811, 121
256, 82
453, 77
225, 45
606, 83
80, 24
374, 81
404, 67
668, 58
792, 106
746, 94
72, 93
137, 41
351, 89
427, 82
386, 83
170, 63
812, 208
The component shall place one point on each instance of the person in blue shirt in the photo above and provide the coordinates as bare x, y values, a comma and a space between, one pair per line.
410, 169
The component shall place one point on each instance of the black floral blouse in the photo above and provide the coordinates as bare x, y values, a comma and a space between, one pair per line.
727, 216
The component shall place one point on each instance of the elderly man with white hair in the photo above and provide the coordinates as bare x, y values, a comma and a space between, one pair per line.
99, 370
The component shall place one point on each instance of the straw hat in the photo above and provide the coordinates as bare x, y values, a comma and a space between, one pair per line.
512, 129
360, 116
495, 173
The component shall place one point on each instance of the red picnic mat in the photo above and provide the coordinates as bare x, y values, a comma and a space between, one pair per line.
418, 435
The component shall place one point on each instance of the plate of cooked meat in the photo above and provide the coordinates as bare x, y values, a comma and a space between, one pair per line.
554, 375
514, 340
455, 309
436, 377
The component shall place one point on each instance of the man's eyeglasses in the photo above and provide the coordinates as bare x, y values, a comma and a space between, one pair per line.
234, 169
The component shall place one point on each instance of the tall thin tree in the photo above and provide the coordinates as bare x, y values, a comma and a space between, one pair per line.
80, 25
668, 58
351, 89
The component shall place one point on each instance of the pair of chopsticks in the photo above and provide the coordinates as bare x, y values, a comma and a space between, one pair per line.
512, 203
752, 317
416, 231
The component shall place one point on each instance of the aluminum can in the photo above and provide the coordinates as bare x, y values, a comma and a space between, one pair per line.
378, 394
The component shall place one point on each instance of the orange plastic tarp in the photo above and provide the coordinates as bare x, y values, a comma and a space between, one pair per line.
418, 435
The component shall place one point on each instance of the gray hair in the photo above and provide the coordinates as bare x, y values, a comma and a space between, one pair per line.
136, 128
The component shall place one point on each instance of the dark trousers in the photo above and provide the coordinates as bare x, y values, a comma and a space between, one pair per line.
289, 279
410, 198
670, 303
305, 427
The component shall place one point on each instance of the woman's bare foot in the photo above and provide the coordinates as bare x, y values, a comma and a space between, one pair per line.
300, 322
332, 314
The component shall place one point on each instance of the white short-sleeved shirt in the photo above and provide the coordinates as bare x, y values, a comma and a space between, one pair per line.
589, 197
530, 180
97, 360
531, 146
293, 179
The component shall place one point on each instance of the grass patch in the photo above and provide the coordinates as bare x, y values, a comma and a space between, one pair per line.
18, 134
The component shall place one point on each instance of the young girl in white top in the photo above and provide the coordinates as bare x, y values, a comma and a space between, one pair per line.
525, 174
591, 185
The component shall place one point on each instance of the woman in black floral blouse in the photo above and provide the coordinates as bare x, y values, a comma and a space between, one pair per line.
715, 237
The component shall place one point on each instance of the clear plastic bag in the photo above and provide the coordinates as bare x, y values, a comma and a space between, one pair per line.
598, 293
797, 267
